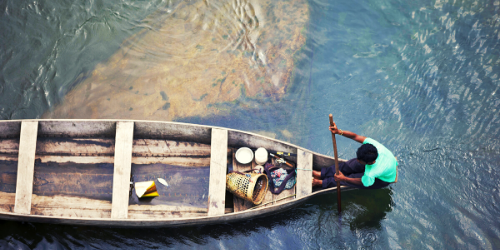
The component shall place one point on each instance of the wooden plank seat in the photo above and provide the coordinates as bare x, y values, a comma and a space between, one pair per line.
304, 173
122, 169
26, 166
218, 170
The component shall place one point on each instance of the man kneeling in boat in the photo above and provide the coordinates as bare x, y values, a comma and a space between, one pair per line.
374, 167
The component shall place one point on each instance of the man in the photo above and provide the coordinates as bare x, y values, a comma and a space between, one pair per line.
374, 166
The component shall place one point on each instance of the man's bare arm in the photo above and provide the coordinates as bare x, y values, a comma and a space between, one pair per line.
348, 134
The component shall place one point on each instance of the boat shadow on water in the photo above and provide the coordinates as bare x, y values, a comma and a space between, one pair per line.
362, 210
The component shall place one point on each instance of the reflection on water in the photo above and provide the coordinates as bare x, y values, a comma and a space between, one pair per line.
193, 56
367, 209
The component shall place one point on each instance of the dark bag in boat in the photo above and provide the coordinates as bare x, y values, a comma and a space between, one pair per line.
280, 178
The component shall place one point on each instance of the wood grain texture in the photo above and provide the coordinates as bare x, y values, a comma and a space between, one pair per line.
9, 147
177, 161
10, 129
97, 150
77, 128
173, 131
122, 169
165, 211
75, 147
78, 210
7, 202
304, 173
169, 148
70, 207
218, 170
239, 139
25, 167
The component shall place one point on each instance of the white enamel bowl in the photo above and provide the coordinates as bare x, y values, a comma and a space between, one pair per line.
244, 155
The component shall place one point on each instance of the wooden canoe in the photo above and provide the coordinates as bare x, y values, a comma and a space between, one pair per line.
80, 172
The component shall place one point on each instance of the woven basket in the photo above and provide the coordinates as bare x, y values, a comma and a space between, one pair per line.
249, 186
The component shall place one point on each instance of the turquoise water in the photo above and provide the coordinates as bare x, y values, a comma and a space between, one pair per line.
421, 77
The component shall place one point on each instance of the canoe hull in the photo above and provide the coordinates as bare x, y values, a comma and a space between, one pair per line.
80, 173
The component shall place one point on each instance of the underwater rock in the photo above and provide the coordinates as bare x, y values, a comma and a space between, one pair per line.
192, 57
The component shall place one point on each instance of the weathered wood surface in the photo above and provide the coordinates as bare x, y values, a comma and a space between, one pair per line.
189, 154
70, 207
77, 128
178, 161
77, 150
172, 131
8, 176
94, 150
7, 202
76, 159
9, 147
26, 165
106, 147
9, 151
241, 139
322, 161
94, 181
218, 170
8, 179
75, 147
304, 173
10, 129
169, 148
239, 203
187, 186
80, 207
123, 164
165, 211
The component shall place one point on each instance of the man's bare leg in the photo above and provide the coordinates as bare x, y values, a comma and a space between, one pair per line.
317, 174
317, 183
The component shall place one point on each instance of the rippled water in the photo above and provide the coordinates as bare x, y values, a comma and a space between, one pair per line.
419, 76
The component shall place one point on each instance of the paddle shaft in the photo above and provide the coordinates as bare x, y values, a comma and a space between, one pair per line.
336, 162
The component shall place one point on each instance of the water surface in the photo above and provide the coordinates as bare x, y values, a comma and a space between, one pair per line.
421, 77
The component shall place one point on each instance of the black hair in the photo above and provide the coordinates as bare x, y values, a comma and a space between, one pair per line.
367, 153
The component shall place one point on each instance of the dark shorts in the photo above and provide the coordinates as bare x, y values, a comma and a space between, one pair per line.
351, 169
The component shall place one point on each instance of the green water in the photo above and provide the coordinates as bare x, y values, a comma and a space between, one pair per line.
421, 77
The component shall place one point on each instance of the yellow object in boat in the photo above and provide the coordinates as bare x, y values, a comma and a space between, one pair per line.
146, 189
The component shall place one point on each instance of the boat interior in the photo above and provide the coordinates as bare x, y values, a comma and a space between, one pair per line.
87, 169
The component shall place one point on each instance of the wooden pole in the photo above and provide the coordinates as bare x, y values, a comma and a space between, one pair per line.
336, 163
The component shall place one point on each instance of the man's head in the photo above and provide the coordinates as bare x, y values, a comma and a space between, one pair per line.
367, 154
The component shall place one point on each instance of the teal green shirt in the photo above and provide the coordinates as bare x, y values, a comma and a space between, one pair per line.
384, 167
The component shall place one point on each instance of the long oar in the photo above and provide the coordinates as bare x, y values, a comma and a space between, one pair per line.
336, 162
